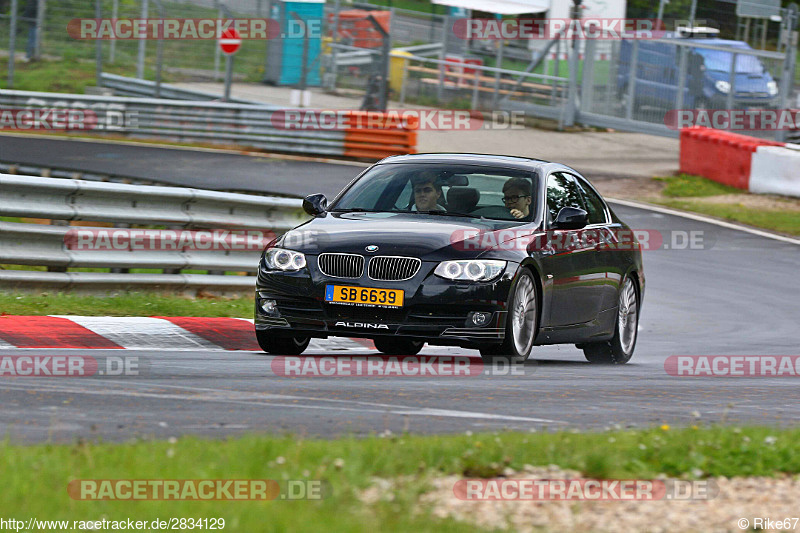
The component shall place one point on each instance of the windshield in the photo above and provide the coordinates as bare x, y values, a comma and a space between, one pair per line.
721, 61
443, 189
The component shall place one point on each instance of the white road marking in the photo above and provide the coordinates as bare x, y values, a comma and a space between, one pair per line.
701, 218
257, 398
143, 333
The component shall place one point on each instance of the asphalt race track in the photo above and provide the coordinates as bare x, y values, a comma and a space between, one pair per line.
175, 166
698, 302
735, 296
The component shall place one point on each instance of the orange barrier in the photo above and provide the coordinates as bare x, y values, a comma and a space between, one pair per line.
375, 135
719, 155
354, 26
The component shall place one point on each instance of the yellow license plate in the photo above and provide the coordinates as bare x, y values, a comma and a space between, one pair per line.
364, 295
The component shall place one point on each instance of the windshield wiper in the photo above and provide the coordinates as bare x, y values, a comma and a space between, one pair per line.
447, 214
355, 210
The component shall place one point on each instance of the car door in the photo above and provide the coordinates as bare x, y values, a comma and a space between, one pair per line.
607, 259
568, 258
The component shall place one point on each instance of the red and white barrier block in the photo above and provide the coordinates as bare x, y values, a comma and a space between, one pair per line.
776, 170
748, 163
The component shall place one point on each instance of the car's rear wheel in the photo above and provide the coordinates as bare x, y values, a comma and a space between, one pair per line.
521, 324
281, 345
619, 349
393, 346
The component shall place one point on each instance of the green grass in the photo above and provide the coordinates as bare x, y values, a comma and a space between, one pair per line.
126, 304
773, 219
36, 476
686, 192
685, 185
67, 76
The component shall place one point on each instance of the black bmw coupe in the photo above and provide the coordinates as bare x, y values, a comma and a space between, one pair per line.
485, 252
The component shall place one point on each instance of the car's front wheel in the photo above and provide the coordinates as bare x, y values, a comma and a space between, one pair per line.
280, 345
619, 349
391, 346
521, 324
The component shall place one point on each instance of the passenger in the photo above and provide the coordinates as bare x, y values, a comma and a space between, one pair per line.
427, 192
517, 197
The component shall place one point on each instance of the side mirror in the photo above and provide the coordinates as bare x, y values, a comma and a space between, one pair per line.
571, 218
315, 204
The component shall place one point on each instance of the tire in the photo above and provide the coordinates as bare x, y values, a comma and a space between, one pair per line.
394, 346
522, 323
619, 349
278, 345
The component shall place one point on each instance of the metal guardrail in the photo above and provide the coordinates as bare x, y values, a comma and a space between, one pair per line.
125, 86
255, 126
175, 207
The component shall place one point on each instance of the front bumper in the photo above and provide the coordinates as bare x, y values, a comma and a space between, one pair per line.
435, 310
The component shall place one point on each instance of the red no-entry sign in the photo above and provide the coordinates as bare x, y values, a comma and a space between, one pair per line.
230, 41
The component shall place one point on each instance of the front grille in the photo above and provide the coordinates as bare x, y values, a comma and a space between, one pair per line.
341, 265
390, 268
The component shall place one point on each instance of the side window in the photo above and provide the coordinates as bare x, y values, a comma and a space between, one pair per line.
594, 204
561, 192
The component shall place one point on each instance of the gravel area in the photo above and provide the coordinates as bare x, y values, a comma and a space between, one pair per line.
737, 498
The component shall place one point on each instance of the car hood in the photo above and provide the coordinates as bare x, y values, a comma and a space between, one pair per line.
745, 82
428, 237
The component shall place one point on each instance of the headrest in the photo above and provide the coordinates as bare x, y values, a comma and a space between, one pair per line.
462, 199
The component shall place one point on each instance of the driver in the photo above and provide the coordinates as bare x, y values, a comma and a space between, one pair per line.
427, 192
517, 197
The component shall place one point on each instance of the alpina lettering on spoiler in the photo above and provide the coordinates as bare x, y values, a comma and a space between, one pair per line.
362, 325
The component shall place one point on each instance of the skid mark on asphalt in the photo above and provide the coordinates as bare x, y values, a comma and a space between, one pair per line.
202, 394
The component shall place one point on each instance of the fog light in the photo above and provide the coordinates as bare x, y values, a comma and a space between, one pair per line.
479, 319
269, 307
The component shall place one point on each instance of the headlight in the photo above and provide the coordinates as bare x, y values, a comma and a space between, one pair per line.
723, 86
285, 260
470, 270
772, 88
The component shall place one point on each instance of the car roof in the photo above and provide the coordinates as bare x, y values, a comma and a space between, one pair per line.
509, 161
